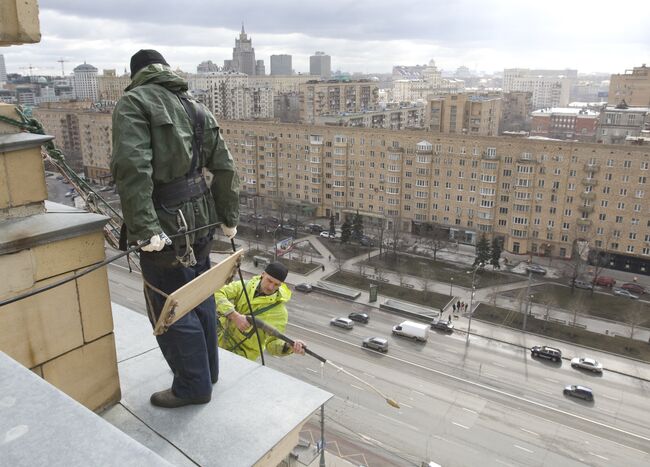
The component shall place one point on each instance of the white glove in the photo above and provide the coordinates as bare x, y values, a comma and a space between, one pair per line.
229, 232
157, 243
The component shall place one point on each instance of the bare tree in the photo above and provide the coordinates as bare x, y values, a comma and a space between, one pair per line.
634, 317
435, 237
424, 283
362, 268
379, 274
402, 277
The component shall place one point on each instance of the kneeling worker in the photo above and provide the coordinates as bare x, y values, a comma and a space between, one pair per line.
268, 295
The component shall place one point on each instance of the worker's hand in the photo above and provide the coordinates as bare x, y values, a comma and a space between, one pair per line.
298, 347
229, 232
157, 242
240, 321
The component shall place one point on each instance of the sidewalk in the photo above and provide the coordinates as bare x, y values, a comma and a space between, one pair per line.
480, 329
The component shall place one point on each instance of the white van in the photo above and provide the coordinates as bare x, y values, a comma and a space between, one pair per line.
413, 330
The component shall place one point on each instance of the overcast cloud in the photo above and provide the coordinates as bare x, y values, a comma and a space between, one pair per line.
361, 35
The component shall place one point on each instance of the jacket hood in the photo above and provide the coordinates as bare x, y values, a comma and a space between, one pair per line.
153, 74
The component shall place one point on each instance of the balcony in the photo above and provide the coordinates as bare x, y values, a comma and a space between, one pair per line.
587, 222
587, 209
592, 168
490, 157
589, 181
588, 195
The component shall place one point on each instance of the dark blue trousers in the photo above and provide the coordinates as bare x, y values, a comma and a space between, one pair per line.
190, 344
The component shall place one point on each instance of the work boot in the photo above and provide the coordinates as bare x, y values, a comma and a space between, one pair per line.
169, 400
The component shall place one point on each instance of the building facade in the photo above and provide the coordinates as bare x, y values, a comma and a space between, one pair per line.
320, 64
633, 87
549, 88
111, 88
319, 98
621, 123
281, 65
3, 70
538, 197
565, 123
85, 83
243, 55
464, 113
391, 118
516, 109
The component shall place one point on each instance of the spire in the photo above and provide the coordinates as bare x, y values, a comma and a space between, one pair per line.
242, 29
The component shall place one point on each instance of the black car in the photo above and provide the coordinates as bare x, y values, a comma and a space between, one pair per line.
544, 351
442, 324
359, 317
535, 269
304, 287
581, 392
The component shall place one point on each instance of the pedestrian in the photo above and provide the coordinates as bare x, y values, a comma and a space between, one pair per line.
329, 257
453, 306
268, 297
159, 177
323, 266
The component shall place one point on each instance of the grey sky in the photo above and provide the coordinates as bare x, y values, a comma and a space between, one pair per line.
361, 35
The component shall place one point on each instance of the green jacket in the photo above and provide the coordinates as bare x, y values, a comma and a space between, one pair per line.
231, 296
152, 144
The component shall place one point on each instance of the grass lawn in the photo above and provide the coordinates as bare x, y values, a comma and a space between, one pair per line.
600, 305
428, 299
344, 251
440, 271
294, 265
618, 345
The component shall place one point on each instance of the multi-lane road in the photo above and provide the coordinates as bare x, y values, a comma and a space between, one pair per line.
486, 403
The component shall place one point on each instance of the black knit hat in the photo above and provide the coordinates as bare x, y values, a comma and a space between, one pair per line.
277, 270
145, 57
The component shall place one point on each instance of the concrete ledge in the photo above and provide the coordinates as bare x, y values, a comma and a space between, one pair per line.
336, 290
410, 310
40, 425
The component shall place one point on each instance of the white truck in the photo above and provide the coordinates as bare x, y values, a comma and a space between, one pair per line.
417, 331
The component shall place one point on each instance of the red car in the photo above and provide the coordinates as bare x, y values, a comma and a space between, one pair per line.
605, 281
634, 288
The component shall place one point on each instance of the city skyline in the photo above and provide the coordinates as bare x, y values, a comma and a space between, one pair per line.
363, 37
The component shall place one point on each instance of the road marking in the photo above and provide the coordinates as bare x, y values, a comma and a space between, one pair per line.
489, 375
470, 410
462, 426
528, 431
523, 449
498, 364
417, 392
312, 370
598, 455
495, 390
552, 380
402, 404
359, 388
369, 375
504, 463
609, 397
397, 421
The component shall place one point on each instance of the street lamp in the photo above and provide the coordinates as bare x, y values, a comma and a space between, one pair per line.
471, 299
275, 244
451, 286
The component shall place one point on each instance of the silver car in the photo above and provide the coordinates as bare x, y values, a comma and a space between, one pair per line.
624, 293
341, 322
587, 364
377, 343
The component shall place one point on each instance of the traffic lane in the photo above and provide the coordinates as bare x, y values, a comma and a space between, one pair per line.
561, 410
540, 379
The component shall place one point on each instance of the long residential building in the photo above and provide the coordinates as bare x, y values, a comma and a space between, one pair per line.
633, 87
539, 197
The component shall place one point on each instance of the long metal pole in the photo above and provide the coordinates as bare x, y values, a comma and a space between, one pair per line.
530, 278
321, 463
471, 301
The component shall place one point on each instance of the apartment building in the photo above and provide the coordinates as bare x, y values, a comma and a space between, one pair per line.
633, 87
516, 109
281, 65
539, 197
565, 123
621, 123
85, 82
320, 64
391, 118
111, 87
465, 113
549, 88
319, 98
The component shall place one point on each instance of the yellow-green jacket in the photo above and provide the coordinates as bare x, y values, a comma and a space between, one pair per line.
273, 312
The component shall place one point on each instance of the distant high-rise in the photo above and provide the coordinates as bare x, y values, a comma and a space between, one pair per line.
85, 82
633, 87
3, 70
260, 69
320, 64
281, 65
207, 67
243, 55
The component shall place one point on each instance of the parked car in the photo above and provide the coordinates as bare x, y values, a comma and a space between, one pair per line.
580, 284
442, 324
624, 293
410, 329
314, 228
586, 364
634, 288
304, 287
535, 269
366, 241
545, 351
582, 392
605, 281
359, 317
376, 343
342, 322
326, 234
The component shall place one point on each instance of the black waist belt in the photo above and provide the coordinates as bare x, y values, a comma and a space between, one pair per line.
179, 191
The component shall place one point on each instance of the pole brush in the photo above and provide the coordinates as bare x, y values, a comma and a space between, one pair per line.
272, 331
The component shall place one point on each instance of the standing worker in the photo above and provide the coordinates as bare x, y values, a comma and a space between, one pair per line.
162, 142
268, 297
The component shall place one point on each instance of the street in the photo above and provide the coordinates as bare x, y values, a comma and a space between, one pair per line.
486, 403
